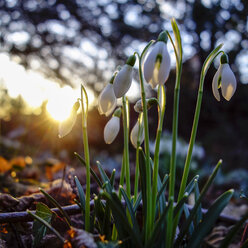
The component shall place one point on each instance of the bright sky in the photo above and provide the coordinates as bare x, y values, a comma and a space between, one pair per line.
35, 89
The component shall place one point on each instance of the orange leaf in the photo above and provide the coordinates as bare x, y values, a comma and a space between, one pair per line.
18, 161
4, 165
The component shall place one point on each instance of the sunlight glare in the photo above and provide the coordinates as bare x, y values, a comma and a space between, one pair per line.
35, 89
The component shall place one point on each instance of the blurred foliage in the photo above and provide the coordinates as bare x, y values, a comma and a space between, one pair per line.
71, 40
83, 40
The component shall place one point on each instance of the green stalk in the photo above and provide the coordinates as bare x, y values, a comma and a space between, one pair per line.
161, 110
86, 155
205, 67
179, 54
126, 143
147, 153
136, 180
184, 180
169, 238
121, 183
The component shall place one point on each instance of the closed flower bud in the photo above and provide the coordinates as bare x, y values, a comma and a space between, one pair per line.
66, 126
149, 102
136, 134
224, 79
123, 79
107, 100
111, 129
157, 64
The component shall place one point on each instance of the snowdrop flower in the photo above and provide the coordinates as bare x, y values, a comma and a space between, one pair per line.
149, 102
66, 126
123, 79
112, 127
107, 99
137, 134
224, 79
157, 63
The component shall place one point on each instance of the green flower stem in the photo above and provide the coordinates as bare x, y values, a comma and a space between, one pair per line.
205, 67
179, 54
136, 180
125, 104
169, 238
147, 153
87, 156
161, 110
122, 176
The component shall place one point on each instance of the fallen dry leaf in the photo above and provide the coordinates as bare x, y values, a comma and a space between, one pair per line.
4, 165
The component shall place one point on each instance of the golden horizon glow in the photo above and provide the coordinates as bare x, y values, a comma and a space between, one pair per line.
35, 90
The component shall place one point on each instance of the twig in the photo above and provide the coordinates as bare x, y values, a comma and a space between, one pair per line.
23, 216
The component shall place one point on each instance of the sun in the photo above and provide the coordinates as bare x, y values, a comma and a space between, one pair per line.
60, 104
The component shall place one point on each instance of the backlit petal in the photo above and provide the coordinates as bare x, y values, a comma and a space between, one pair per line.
111, 129
66, 126
228, 82
134, 134
107, 100
164, 70
123, 80
149, 63
215, 83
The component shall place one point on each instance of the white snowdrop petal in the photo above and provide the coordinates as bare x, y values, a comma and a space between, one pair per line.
66, 126
111, 129
164, 67
134, 135
107, 100
149, 63
122, 81
228, 82
215, 83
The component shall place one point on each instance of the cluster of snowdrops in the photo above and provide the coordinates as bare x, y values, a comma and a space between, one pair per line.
161, 215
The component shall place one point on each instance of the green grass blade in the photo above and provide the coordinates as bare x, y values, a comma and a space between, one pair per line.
39, 230
209, 219
112, 178
159, 226
99, 214
193, 212
179, 206
186, 212
131, 211
191, 185
137, 203
121, 220
81, 193
45, 223
198, 217
56, 204
98, 181
105, 178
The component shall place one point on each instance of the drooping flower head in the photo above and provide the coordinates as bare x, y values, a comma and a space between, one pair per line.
224, 79
123, 79
149, 103
107, 99
137, 133
157, 63
112, 127
66, 126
